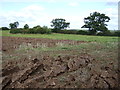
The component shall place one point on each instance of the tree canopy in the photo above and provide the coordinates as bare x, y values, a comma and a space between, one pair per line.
59, 24
14, 25
96, 22
26, 26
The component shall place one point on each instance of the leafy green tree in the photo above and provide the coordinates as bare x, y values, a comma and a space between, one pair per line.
26, 26
14, 25
96, 22
11, 25
38, 26
59, 24
4, 28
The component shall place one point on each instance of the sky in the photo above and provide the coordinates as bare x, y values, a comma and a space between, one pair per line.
42, 12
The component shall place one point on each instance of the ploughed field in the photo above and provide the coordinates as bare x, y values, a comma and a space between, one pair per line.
48, 63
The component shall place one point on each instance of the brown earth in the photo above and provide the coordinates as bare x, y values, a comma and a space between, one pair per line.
62, 71
10, 43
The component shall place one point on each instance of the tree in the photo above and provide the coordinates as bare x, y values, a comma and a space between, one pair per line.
11, 25
38, 26
4, 28
59, 24
96, 22
14, 25
26, 26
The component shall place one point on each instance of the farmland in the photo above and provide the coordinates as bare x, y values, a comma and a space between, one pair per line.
59, 61
64, 37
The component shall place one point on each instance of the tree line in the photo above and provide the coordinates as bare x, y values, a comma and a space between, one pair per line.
96, 24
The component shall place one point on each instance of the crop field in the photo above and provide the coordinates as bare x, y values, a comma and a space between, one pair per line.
59, 61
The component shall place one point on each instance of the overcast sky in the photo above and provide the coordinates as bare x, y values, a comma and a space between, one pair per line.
41, 12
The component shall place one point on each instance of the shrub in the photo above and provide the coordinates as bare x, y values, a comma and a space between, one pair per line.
42, 30
109, 33
82, 32
47, 30
105, 33
55, 30
24, 31
36, 26
35, 30
117, 33
5, 28
26, 26
67, 31
15, 31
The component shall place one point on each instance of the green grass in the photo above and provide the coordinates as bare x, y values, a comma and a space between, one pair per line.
64, 37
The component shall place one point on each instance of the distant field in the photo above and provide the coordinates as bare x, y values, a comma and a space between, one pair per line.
63, 37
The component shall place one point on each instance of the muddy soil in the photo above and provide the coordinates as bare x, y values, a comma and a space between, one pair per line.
11, 43
62, 71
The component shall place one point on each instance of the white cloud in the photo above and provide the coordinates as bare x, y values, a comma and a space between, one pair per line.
37, 15
32, 15
113, 14
76, 21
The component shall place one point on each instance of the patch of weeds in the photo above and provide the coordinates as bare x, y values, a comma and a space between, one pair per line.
99, 50
110, 45
4, 57
60, 44
25, 47
64, 48
104, 51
